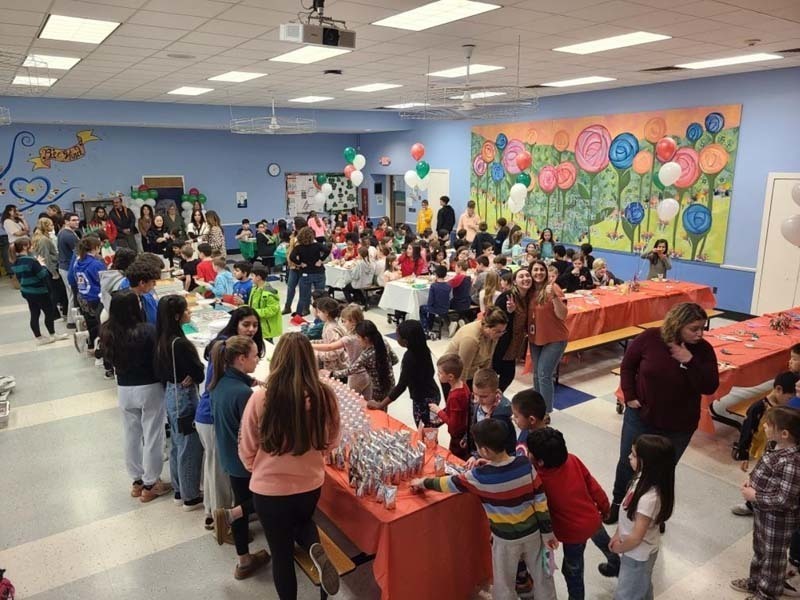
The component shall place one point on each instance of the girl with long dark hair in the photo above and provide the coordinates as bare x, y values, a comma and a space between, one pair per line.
128, 344
286, 427
376, 359
658, 259
197, 229
178, 367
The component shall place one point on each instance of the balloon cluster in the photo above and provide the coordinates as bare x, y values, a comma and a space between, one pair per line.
193, 196
519, 191
325, 190
355, 162
418, 176
143, 193
790, 228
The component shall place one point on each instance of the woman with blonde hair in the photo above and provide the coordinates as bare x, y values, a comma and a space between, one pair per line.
664, 373
45, 250
286, 428
216, 237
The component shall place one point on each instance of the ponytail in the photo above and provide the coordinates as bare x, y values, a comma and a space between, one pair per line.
225, 353
21, 245
87, 244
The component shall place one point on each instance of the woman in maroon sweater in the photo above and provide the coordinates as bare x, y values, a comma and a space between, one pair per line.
663, 375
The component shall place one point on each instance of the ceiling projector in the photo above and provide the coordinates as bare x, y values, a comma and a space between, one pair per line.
320, 35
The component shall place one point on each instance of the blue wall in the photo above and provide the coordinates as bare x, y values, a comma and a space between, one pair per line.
769, 139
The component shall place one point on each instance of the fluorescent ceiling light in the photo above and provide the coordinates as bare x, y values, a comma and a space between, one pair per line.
374, 87
578, 81
610, 43
732, 60
309, 54
462, 71
74, 29
435, 14
311, 99
479, 95
38, 81
236, 76
407, 105
44, 61
190, 91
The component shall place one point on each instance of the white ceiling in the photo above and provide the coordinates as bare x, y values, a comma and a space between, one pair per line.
226, 35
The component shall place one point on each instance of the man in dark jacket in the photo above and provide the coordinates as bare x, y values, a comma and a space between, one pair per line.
125, 222
446, 217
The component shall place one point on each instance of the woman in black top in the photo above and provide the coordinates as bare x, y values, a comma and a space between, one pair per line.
128, 343
158, 238
579, 277
181, 377
308, 254
416, 373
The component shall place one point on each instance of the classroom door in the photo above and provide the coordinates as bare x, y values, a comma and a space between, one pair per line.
776, 287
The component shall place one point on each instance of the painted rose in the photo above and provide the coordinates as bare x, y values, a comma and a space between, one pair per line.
694, 132
497, 172
634, 213
643, 162
591, 148
715, 122
566, 174
697, 219
713, 159
690, 170
501, 141
548, 179
655, 129
561, 140
622, 150
488, 152
479, 166
513, 149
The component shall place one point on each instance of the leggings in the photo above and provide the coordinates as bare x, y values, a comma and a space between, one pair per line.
90, 309
38, 304
286, 520
242, 496
58, 295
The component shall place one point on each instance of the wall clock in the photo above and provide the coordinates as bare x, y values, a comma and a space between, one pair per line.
274, 169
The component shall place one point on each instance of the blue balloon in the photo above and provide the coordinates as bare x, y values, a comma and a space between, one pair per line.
694, 132
634, 213
714, 122
622, 150
497, 172
501, 141
697, 219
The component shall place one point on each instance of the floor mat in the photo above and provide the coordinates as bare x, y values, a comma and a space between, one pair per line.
567, 396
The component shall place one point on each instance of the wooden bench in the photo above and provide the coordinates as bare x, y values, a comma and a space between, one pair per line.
739, 409
336, 555
712, 313
601, 339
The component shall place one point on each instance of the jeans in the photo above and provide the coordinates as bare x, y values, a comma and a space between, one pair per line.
307, 281
143, 417
292, 279
286, 520
350, 293
216, 484
38, 304
635, 579
186, 451
70, 295
632, 428
243, 497
601, 539
572, 569
545, 361
91, 309
506, 555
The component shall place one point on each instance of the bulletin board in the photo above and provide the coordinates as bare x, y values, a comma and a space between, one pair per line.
302, 187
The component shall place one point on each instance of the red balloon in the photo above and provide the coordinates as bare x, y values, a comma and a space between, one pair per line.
665, 149
417, 151
524, 160
348, 170
143, 188
194, 191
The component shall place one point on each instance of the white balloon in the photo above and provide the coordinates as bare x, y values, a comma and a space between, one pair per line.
668, 209
515, 204
356, 177
150, 202
359, 161
669, 173
790, 229
796, 193
319, 201
138, 202
422, 184
137, 211
186, 205
326, 189
411, 178
518, 191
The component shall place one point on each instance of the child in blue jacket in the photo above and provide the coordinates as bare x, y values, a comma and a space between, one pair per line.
224, 282
84, 273
438, 299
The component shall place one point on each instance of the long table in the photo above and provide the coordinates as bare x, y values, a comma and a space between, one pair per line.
432, 546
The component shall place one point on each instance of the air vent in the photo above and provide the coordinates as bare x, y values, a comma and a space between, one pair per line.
535, 87
181, 56
661, 69
332, 72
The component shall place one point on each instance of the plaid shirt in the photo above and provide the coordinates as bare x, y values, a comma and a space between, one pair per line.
776, 479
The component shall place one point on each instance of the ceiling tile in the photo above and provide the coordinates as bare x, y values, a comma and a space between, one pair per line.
704, 8
155, 19
86, 10
136, 42
22, 17
244, 30
258, 16
196, 8
157, 33
557, 6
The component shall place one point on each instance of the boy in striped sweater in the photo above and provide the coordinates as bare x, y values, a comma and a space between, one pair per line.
513, 498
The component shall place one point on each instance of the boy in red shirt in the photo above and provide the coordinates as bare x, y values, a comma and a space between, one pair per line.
205, 268
456, 410
576, 502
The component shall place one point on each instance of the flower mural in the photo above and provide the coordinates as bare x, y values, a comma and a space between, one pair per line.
597, 179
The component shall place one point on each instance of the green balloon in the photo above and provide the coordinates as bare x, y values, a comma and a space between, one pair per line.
192, 198
349, 154
153, 194
322, 178
202, 198
657, 181
184, 197
524, 179
423, 168
135, 194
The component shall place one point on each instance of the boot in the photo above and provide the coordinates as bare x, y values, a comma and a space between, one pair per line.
286, 310
613, 514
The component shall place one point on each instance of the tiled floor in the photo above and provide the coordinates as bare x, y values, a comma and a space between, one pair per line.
70, 530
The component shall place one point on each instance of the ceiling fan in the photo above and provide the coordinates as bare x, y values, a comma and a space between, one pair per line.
272, 124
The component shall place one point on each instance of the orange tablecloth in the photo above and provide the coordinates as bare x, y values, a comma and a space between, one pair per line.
614, 310
432, 546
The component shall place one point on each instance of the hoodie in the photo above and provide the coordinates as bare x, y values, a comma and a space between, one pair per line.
87, 277
223, 284
267, 304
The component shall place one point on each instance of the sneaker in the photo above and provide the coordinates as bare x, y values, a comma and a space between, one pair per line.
43, 341
524, 585
297, 320
452, 328
257, 560
608, 569
286, 310
328, 576
159, 488
742, 585
71, 326
209, 523
81, 341
176, 498
613, 514
194, 504
136, 489
59, 337
221, 525
109, 374
461, 322
98, 362
742, 510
